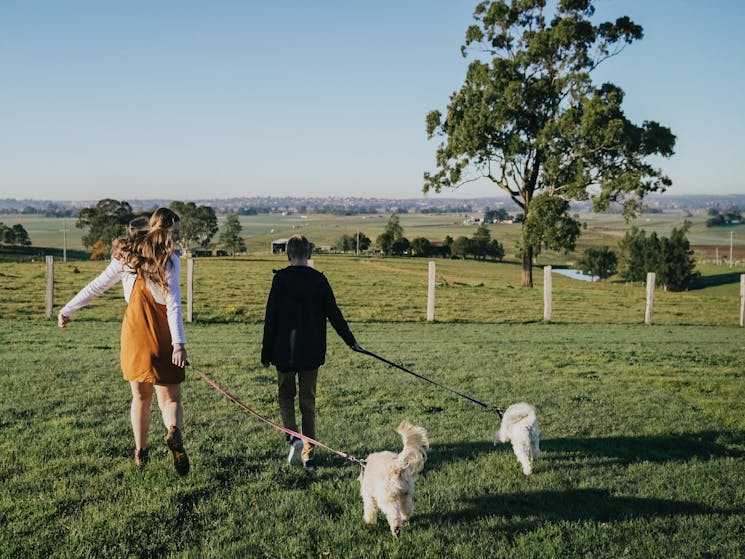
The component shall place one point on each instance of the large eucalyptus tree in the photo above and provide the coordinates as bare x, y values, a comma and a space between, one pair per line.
530, 119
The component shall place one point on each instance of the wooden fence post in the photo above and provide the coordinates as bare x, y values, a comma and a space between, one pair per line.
189, 289
731, 236
650, 298
742, 299
64, 241
547, 293
50, 286
431, 293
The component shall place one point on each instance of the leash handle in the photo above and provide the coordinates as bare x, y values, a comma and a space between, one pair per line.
364, 351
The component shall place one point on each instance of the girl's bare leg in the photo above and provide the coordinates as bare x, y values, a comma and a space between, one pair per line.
169, 401
142, 395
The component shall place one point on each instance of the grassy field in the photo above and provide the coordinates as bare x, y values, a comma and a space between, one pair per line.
376, 289
643, 440
324, 230
643, 435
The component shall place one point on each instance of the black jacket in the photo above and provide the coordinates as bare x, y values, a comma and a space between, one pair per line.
299, 303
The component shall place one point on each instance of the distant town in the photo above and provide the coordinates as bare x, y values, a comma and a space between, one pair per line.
253, 205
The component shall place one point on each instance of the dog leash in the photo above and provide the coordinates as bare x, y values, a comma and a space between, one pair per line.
256, 414
484, 405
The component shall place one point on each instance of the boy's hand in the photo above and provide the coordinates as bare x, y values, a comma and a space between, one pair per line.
62, 320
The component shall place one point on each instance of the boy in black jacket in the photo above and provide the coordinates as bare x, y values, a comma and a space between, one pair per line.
294, 341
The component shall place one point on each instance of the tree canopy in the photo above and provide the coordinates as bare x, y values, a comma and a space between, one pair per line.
352, 243
198, 224
106, 221
549, 225
601, 262
230, 236
671, 258
392, 240
14, 235
495, 216
480, 245
529, 118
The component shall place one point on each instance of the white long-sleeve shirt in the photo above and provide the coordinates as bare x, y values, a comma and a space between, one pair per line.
118, 270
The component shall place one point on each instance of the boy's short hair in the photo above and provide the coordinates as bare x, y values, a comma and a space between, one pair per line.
298, 246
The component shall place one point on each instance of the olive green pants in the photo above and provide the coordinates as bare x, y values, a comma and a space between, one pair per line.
305, 389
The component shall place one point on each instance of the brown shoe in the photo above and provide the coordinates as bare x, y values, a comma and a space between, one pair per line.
141, 457
178, 454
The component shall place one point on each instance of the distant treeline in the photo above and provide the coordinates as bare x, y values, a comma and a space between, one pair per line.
656, 203
338, 209
49, 210
31, 253
303, 209
729, 216
57, 210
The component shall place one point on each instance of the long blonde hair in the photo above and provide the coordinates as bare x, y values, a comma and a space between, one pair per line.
148, 251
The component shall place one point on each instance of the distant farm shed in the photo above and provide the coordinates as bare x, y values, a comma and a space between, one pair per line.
279, 246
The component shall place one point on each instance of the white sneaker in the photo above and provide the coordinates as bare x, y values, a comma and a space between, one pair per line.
296, 447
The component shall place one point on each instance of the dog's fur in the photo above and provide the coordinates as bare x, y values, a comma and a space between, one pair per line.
387, 480
519, 425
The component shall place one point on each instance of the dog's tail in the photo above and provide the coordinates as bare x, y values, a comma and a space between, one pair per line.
521, 417
414, 454
521, 412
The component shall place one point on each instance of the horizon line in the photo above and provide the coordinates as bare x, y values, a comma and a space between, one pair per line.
335, 197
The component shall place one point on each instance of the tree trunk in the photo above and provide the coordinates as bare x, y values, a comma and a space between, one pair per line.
527, 267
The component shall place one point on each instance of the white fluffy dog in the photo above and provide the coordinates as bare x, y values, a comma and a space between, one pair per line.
519, 425
387, 480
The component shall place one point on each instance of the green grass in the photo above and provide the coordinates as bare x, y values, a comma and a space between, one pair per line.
643, 435
48, 231
376, 289
643, 441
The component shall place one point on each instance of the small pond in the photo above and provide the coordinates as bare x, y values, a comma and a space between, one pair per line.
576, 274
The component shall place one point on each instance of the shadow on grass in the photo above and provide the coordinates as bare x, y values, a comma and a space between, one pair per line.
447, 453
660, 448
712, 281
578, 505
560, 453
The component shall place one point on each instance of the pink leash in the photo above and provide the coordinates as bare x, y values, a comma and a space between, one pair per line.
235, 400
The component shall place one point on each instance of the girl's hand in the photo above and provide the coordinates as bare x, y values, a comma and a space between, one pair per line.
62, 320
179, 355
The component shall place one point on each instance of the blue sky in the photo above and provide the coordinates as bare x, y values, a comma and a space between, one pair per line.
188, 100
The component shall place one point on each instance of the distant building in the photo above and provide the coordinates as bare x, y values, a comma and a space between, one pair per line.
279, 246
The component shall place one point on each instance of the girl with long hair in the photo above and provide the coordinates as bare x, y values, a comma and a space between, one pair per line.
153, 352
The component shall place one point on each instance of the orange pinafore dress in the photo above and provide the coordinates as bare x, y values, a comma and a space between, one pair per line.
146, 347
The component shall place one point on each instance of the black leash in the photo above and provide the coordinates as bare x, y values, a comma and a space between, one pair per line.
485, 406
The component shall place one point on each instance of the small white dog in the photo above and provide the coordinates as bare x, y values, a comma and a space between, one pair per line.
519, 425
387, 480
